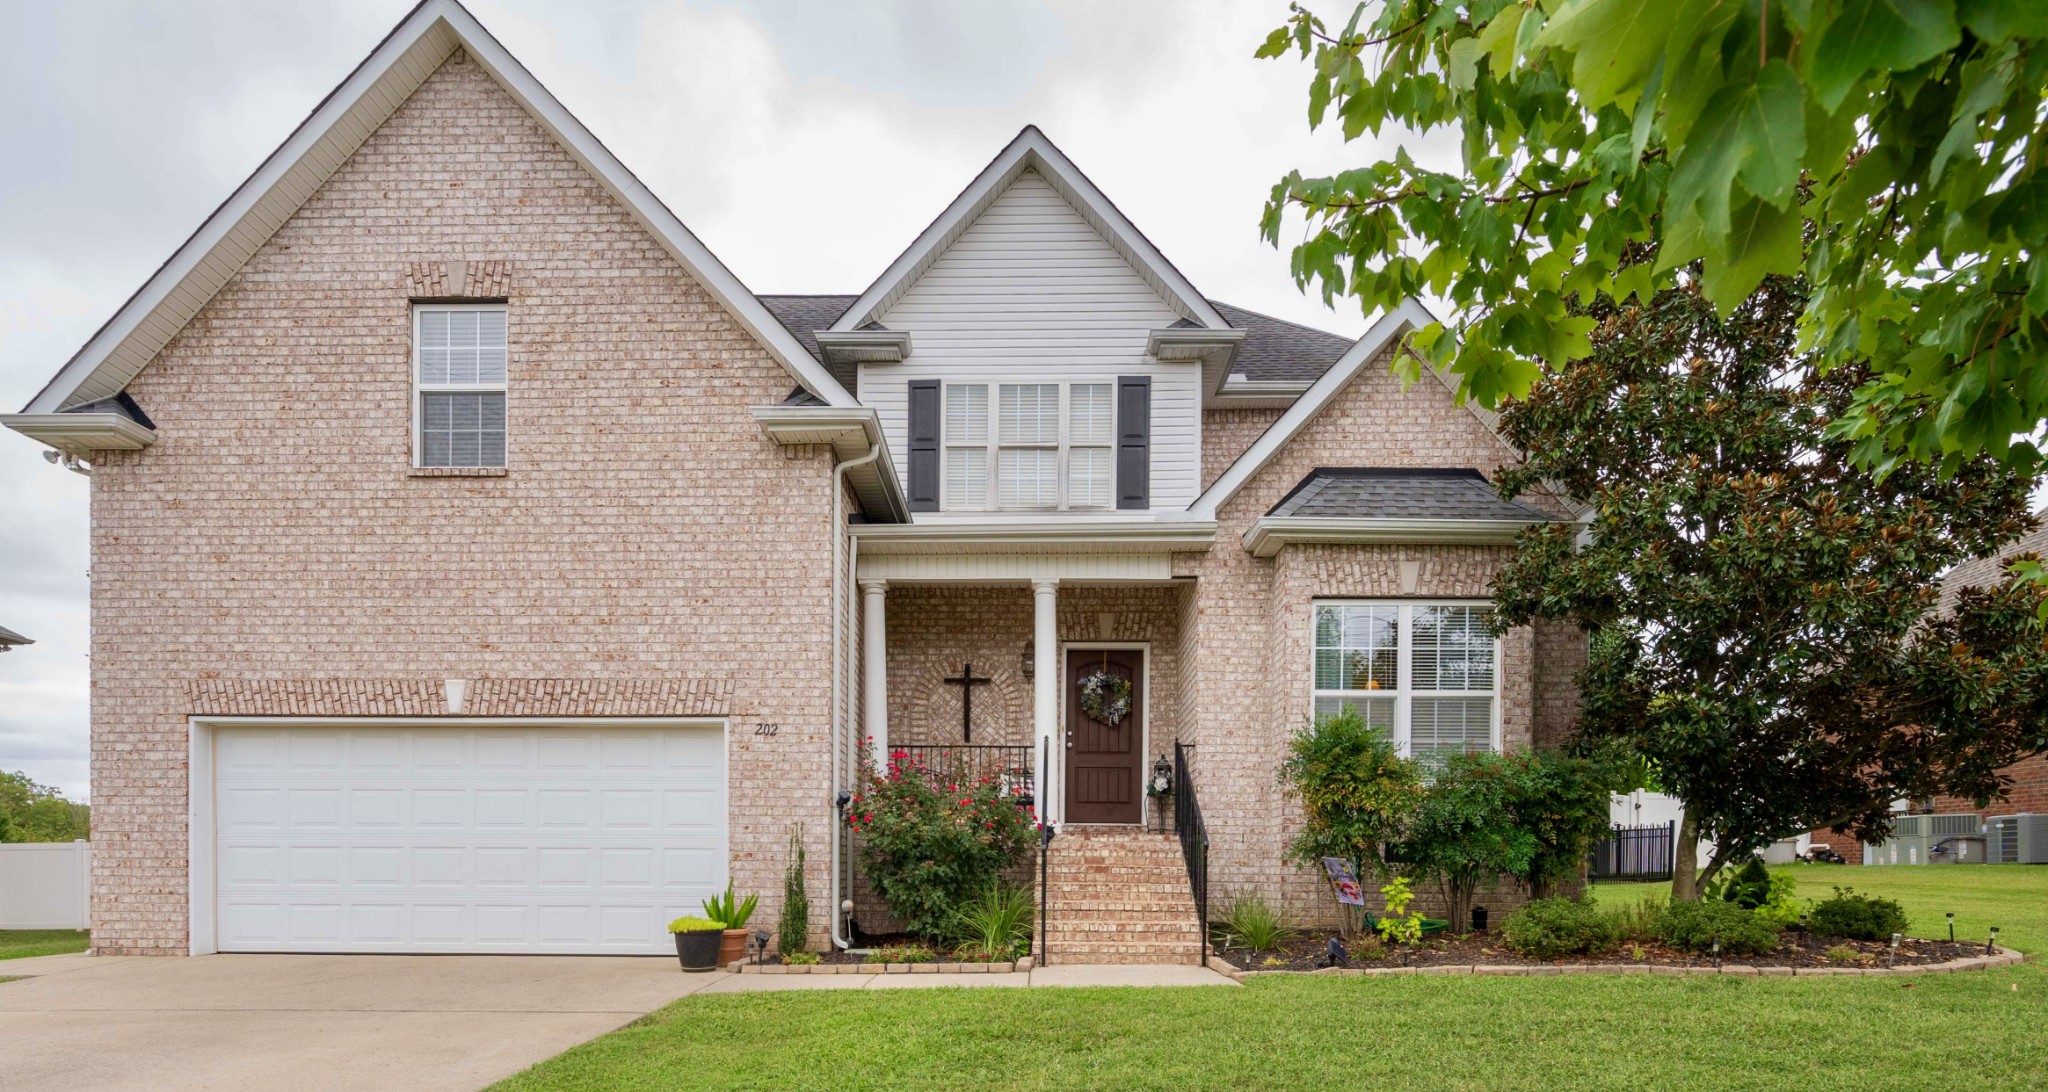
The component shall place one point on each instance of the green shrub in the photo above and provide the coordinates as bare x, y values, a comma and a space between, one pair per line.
1636, 922
1858, 917
1842, 953
1357, 793
908, 954
802, 959
1747, 886
793, 930
932, 839
1253, 922
694, 925
1549, 928
996, 923
1693, 927
729, 911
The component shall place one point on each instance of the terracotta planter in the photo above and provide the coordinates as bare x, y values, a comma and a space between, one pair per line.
699, 951
733, 947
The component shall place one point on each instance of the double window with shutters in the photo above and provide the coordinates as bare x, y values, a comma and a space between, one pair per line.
458, 355
1426, 672
1043, 446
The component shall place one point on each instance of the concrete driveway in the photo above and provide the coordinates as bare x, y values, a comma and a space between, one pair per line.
313, 1022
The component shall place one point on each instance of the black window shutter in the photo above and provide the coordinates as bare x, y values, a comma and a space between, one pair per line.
924, 445
1134, 441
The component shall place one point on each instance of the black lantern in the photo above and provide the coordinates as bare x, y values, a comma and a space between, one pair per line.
1162, 778
1030, 661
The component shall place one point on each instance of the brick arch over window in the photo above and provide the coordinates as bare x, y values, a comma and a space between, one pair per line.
935, 709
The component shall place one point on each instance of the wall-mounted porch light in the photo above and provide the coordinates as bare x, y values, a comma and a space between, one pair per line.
1030, 661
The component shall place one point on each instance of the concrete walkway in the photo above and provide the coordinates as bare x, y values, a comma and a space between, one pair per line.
316, 1023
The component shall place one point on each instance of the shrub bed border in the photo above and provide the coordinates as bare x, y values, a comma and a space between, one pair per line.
2005, 957
741, 966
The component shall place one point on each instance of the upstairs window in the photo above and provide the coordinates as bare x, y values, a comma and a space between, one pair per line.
1426, 672
458, 385
1051, 447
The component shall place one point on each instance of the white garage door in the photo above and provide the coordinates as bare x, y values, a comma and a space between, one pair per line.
500, 839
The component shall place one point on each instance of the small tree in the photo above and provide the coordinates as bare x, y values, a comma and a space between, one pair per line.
1561, 801
1357, 793
1466, 829
793, 929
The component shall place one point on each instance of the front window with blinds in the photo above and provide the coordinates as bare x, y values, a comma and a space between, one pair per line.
1426, 672
459, 386
1049, 446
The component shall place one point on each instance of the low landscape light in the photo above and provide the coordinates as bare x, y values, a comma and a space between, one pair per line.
1951, 927
1991, 946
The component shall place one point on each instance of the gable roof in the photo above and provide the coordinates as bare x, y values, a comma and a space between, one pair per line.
804, 316
413, 50
1384, 334
1984, 572
1428, 493
1032, 151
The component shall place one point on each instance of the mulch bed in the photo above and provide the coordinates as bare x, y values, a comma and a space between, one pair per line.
894, 940
1306, 953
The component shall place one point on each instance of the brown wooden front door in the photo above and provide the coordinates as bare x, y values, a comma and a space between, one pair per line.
1105, 762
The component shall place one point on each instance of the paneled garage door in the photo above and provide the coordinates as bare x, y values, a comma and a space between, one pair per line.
499, 839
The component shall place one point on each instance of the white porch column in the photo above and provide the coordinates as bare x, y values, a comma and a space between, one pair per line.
874, 651
1045, 699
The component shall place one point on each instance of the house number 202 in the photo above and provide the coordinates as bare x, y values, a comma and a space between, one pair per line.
767, 729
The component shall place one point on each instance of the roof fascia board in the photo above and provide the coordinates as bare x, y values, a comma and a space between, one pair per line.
1030, 149
864, 346
1269, 533
81, 433
1391, 327
440, 25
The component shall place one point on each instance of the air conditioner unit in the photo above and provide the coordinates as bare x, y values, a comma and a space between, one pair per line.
1897, 851
2016, 839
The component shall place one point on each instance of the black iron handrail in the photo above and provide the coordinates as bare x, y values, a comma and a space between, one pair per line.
969, 762
1194, 841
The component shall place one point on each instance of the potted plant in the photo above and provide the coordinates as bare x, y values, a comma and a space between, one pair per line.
732, 913
697, 941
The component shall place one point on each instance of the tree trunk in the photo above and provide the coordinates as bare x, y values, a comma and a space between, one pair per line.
1685, 860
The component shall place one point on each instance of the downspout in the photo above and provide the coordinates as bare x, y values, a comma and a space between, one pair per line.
839, 673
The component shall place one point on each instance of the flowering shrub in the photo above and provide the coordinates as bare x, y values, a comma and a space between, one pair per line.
933, 840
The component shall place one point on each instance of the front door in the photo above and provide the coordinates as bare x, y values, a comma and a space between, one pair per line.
1105, 760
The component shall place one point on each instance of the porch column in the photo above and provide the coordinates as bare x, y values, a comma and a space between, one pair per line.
1045, 699
874, 650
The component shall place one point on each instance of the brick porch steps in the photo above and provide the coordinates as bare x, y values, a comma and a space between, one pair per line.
1119, 895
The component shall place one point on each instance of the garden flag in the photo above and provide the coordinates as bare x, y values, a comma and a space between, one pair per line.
1344, 883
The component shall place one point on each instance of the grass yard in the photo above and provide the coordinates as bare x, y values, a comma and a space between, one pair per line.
22, 943
1978, 1030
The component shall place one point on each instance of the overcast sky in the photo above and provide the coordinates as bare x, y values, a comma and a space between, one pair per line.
805, 142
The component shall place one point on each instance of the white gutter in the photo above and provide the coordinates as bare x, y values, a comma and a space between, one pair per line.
1270, 533
81, 433
1058, 534
839, 567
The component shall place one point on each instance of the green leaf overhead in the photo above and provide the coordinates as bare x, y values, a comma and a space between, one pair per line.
1891, 151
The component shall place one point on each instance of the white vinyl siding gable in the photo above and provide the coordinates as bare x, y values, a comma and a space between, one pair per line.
1030, 294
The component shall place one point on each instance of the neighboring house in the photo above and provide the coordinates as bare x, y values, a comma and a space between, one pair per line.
2028, 792
479, 566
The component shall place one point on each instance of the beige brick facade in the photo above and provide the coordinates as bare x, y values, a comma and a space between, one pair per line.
646, 550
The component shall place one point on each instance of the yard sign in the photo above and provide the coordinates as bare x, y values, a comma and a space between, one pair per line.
1343, 882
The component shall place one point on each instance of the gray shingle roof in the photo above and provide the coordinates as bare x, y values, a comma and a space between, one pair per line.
804, 316
1274, 350
1979, 572
1401, 493
9, 637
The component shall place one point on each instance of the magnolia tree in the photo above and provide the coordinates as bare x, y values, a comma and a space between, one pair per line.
1893, 152
1759, 602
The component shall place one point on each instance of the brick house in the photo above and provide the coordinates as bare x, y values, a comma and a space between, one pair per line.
478, 565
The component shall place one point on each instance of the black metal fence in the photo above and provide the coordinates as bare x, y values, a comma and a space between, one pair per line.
1194, 842
971, 762
1635, 853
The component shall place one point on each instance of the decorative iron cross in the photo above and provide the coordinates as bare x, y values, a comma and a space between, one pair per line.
967, 681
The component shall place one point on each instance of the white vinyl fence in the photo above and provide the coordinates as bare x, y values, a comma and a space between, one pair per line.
45, 885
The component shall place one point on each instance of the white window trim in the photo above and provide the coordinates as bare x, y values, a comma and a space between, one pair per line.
1404, 650
419, 388
993, 400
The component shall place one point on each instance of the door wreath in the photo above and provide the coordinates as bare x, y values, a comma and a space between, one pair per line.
1105, 696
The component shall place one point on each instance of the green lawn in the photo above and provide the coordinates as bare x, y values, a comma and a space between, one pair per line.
21, 943
1978, 1030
